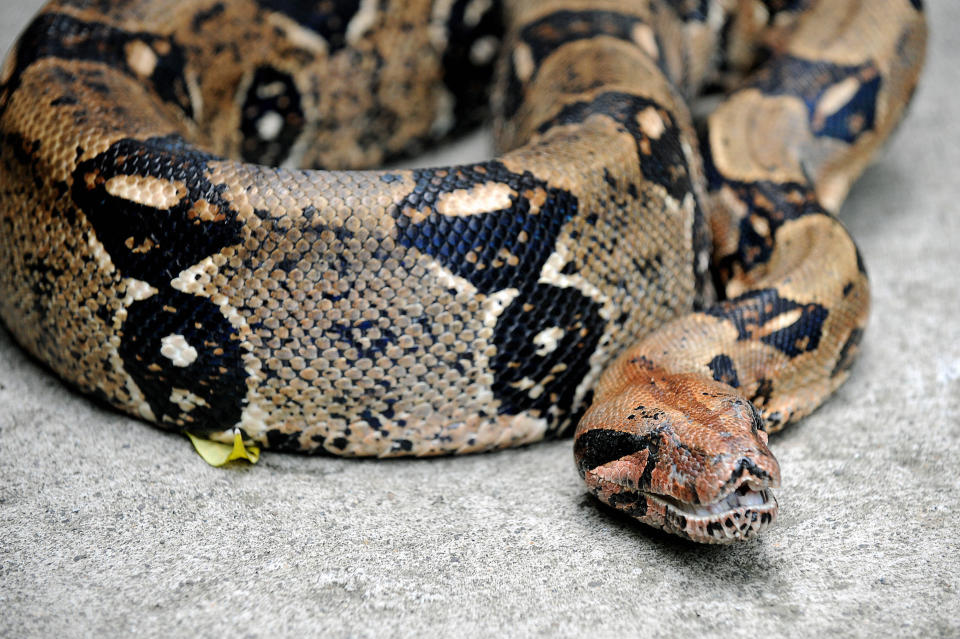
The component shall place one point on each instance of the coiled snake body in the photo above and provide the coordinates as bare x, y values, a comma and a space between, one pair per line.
152, 255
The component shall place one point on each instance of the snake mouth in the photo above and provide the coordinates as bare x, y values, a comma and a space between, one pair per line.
742, 513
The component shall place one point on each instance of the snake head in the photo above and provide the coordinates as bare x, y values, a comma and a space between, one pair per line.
681, 453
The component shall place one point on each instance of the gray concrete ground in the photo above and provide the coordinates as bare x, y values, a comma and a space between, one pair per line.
109, 527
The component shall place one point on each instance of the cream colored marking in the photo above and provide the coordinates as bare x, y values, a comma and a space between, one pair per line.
143, 247
269, 125
271, 90
761, 15
444, 120
484, 50
98, 252
760, 225
482, 198
523, 384
186, 400
651, 123
779, 322
203, 210
362, 21
523, 62
475, 10
193, 280
644, 37
137, 291
550, 274
141, 58
299, 36
254, 420
194, 93
143, 407
146, 190
178, 350
834, 99
547, 340
448, 280
439, 17
494, 305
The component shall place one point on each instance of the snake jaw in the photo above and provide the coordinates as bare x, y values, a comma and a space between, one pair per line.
739, 514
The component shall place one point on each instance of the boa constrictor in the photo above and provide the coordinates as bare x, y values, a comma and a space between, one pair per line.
162, 249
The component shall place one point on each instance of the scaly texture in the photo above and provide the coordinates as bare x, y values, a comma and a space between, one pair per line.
151, 255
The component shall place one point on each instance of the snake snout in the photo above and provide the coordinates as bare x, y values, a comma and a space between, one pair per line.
741, 508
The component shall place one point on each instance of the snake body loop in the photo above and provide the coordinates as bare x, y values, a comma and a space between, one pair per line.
185, 232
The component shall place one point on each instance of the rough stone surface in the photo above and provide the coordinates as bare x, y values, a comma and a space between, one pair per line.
109, 527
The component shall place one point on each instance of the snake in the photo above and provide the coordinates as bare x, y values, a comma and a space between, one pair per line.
202, 225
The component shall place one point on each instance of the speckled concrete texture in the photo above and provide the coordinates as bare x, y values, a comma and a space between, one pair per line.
111, 528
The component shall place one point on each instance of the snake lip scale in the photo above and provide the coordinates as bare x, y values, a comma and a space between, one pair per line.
744, 512
191, 232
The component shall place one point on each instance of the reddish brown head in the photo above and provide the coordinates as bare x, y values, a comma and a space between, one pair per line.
682, 453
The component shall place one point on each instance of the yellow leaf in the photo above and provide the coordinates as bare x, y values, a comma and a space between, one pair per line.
218, 454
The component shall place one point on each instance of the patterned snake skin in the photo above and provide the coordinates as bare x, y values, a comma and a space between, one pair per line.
162, 249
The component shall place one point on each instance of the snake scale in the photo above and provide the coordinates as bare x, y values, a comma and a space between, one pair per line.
190, 230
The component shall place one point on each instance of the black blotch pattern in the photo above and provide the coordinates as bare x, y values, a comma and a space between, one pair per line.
55, 35
724, 371
752, 310
468, 81
542, 307
600, 446
277, 440
328, 18
809, 80
475, 246
661, 160
549, 33
504, 249
270, 92
177, 240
